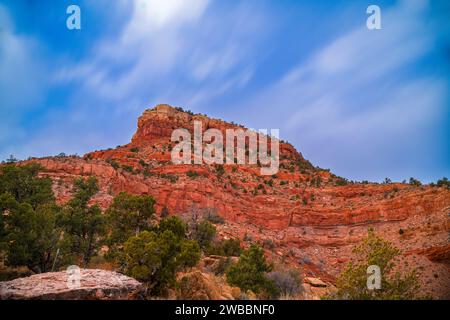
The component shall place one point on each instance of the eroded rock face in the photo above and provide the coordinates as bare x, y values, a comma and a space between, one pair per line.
94, 284
312, 220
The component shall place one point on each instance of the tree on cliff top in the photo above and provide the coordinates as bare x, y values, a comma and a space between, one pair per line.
375, 251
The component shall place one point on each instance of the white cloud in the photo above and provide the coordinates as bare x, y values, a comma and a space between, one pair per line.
178, 52
169, 44
352, 107
149, 15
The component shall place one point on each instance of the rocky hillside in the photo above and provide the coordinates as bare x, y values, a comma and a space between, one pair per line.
305, 216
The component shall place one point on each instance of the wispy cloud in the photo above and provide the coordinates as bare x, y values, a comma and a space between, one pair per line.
172, 51
352, 106
22, 76
367, 104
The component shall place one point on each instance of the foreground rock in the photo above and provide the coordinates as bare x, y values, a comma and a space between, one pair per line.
94, 284
198, 285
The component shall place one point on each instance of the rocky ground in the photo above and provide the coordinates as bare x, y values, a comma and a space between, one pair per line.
199, 283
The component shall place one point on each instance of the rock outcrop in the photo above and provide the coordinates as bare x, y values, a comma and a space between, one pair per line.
94, 284
312, 217
198, 285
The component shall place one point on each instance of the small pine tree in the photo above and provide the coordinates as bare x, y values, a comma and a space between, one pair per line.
84, 225
154, 257
249, 273
127, 216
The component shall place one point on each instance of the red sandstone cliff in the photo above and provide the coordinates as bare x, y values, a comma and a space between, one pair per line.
312, 222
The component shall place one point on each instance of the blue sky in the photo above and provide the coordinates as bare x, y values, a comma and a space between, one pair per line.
368, 104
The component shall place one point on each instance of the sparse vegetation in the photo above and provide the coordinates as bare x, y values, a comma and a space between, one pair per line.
414, 182
154, 257
288, 283
192, 174
250, 272
113, 163
444, 182
127, 216
223, 265
316, 181
373, 250
128, 168
204, 233
143, 163
171, 177
339, 181
213, 217
229, 247
220, 170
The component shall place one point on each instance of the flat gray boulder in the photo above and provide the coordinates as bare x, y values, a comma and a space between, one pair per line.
74, 284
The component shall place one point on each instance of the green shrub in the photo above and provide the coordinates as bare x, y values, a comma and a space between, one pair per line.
113, 164
444, 182
31, 236
229, 247
172, 178
220, 170
128, 168
23, 183
339, 181
249, 273
39, 234
204, 233
174, 225
192, 174
414, 182
84, 225
373, 250
287, 282
214, 218
127, 216
155, 257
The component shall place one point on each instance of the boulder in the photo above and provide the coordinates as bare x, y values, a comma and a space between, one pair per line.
92, 284
315, 282
198, 285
